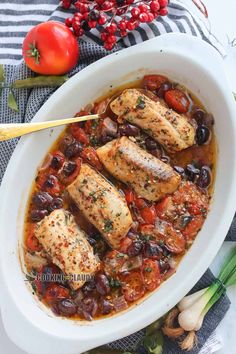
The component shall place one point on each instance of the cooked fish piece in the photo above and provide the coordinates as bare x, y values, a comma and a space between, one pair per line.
102, 205
148, 176
67, 246
169, 128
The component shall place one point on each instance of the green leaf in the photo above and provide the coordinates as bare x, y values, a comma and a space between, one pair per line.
2, 75
234, 95
154, 343
11, 102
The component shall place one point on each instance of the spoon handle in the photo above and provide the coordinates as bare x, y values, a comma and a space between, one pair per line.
9, 131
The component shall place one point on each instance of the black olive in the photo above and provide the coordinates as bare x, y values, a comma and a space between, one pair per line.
202, 135
192, 172
151, 144
50, 181
179, 170
69, 168
66, 141
164, 266
37, 215
166, 86
57, 203
208, 120
67, 307
205, 177
152, 250
73, 149
42, 200
89, 308
129, 130
102, 284
184, 221
89, 287
57, 162
134, 249
106, 306
94, 15
198, 114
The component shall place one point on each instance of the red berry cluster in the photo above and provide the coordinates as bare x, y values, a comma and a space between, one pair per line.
117, 17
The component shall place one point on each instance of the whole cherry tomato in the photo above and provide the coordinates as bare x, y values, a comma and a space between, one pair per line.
50, 48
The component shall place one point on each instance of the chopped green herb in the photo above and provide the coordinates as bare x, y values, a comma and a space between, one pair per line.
140, 103
115, 283
148, 269
108, 225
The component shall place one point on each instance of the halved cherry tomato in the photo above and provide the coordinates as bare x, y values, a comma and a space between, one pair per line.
149, 214
153, 82
146, 229
89, 155
140, 203
193, 227
50, 48
82, 113
49, 183
124, 244
79, 133
32, 242
132, 286
177, 100
69, 179
162, 206
151, 274
55, 292
129, 195
88, 127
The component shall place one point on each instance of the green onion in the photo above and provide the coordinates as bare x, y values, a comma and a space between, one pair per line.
194, 307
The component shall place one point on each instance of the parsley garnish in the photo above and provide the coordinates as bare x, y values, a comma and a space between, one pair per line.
140, 103
108, 225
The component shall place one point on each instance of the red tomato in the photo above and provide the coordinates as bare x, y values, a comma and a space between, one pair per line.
88, 127
89, 155
149, 214
50, 48
69, 179
129, 195
140, 203
177, 100
193, 227
32, 242
174, 240
79, 133
49, 183
151, 274
82, 113
124, 244
162, 206
132, 286
54, 292
153, 82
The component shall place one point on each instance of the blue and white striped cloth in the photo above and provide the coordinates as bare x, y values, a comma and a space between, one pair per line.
17, 17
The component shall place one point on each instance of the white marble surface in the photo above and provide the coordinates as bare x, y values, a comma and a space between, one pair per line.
224, 26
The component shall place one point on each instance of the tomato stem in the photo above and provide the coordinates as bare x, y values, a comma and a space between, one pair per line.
33, 52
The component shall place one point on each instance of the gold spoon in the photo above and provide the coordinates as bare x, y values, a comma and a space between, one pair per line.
14, 130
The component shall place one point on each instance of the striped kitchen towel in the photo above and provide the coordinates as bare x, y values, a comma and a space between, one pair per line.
18, 16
